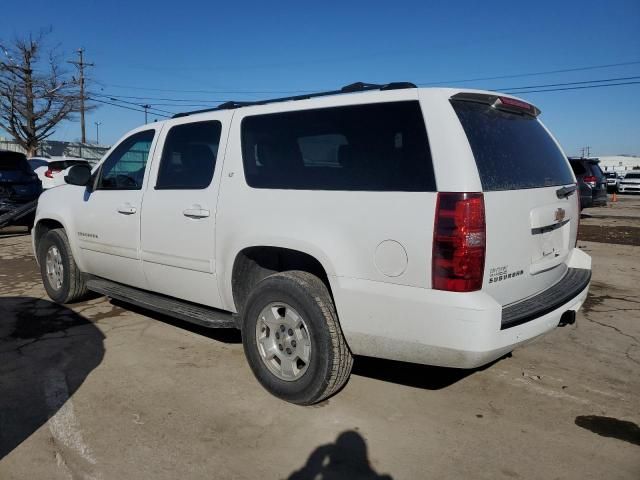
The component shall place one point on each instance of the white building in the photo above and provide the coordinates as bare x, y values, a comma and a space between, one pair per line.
619, 163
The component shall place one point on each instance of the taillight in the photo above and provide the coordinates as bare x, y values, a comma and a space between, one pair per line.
459, 242
578, 213
50, 171
590, 180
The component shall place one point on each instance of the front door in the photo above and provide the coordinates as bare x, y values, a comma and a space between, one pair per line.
108, 220
178, 217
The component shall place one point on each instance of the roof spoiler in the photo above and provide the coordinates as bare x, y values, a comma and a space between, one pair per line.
499, 102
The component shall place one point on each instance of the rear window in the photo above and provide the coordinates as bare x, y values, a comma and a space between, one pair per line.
578, 168
512, 151
13, 161
375, 147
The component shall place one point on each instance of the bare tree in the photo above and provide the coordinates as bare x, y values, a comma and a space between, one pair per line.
35, 93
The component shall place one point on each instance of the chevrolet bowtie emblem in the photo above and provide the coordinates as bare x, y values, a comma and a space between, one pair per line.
560, 214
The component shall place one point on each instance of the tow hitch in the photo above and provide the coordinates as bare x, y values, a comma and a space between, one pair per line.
567, 318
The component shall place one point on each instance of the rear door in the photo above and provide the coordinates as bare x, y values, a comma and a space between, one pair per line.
531, 222
178, 216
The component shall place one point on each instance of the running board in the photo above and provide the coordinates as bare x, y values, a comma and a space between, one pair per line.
190, 312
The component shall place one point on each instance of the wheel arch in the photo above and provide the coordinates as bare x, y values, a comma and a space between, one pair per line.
254, 263
45, 224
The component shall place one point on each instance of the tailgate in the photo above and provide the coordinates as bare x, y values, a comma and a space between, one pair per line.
530, 234
531, 203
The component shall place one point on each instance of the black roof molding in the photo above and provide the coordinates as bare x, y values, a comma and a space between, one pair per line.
351, 88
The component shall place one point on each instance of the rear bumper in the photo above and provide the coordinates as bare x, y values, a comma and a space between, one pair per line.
463, 330
569, 287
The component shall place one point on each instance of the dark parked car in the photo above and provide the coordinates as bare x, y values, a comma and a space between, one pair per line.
18, 184
592, 183
612, 181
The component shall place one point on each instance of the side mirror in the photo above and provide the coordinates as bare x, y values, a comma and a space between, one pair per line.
78, 175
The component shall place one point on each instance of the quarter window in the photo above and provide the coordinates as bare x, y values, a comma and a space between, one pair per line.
124, 168
373, 147
189, 156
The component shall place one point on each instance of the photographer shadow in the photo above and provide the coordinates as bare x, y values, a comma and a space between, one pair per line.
46, 353
346, 459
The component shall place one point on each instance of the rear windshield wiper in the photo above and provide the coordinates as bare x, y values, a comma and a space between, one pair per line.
564, 192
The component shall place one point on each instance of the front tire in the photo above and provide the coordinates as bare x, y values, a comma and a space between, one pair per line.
60, 275
292, 338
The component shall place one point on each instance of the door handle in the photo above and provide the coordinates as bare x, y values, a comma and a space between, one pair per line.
196, 211
127, 209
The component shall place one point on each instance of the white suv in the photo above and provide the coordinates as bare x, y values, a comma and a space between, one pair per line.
434, 226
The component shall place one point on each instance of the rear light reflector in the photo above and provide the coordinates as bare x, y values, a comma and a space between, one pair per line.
459, 242
590, 180
50, 171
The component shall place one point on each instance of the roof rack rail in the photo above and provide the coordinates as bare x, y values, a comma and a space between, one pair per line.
351, 88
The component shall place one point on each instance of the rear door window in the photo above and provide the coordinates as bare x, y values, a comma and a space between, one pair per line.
513, 151
373, 147
189, 156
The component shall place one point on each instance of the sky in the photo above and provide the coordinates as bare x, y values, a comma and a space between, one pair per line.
200, 52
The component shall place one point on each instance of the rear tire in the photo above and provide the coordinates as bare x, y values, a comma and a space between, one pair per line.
309, 360
60, 275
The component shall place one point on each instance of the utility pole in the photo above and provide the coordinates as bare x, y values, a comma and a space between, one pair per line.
97, 124
146, 107
588, 151
81, 64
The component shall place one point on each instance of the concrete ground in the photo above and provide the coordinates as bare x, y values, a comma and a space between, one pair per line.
100, 390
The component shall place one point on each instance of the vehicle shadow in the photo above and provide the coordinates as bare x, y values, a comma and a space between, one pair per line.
224, 335
346, 458
402, 373
46, 353
412, 374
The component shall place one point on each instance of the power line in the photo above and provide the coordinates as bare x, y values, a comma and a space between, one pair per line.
515, 90
575, 88
124, 106
567, 83
467, 80
144, 106
129, 87
531, 74
159, 98
503, 89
